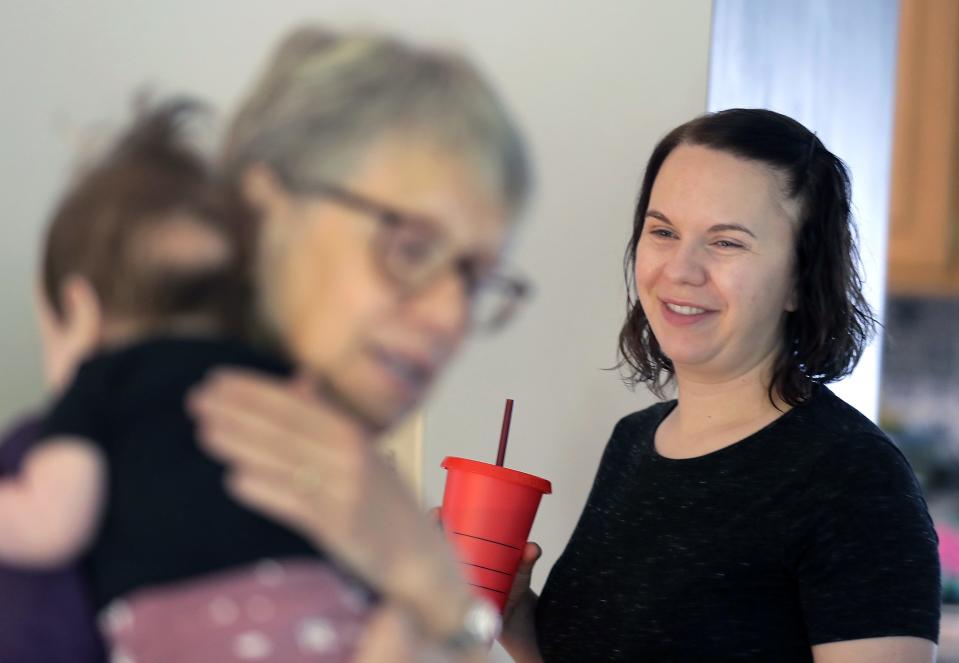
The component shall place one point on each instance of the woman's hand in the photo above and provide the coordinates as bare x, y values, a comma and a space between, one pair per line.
519, 629
305, 463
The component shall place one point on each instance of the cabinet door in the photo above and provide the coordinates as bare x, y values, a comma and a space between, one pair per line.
924, 229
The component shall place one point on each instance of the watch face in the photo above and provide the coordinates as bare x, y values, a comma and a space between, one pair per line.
483, 621
481, 626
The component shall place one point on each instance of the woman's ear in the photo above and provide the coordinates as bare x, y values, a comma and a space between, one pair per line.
791, 304
262, 190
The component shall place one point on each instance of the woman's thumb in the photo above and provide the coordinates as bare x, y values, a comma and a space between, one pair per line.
531, 554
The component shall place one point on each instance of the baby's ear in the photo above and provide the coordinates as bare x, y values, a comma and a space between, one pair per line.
82, 315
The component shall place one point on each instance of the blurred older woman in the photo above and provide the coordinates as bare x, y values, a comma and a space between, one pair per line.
384, 180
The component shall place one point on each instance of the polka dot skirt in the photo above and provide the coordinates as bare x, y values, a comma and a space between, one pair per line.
275, 611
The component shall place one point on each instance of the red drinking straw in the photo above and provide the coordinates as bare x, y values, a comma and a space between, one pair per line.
504, 434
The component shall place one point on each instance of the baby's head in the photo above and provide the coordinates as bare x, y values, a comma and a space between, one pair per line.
141, 244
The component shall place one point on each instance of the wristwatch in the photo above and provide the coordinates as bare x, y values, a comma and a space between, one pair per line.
481, 625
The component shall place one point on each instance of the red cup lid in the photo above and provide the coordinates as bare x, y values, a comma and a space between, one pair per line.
497, 472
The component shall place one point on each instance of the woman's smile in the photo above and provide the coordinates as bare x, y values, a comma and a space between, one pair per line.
684, 314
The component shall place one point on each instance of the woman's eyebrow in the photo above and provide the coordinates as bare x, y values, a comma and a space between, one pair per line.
656, 214
719, 227
726, 227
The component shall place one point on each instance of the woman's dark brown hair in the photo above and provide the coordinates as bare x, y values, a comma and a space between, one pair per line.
823, 339
101, 228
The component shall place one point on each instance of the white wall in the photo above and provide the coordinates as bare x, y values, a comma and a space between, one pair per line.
832, 66
603, 84
595, 84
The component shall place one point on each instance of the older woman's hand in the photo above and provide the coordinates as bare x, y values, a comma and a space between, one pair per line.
305, 463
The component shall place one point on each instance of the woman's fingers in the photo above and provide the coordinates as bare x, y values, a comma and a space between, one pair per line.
272, 497
237, 436
281, 431
531, 554
287, 401
524, 572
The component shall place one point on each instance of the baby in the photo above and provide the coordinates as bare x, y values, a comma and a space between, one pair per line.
144, 289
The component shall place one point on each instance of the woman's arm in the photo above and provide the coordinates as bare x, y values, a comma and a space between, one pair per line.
49, 512
876, 650
301, 461
392, 635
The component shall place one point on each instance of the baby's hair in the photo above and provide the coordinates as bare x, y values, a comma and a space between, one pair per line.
148, 228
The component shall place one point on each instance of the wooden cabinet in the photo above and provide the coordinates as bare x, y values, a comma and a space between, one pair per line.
924, 207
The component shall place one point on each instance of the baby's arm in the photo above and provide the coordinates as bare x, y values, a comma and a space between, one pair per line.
50, 511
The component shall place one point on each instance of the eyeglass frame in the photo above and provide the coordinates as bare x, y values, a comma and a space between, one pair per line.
515, 288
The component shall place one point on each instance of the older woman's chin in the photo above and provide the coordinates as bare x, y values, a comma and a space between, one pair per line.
380, 396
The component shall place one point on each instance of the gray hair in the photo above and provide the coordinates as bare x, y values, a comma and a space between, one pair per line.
325, 97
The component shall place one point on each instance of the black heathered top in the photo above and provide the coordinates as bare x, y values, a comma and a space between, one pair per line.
809, 531
168, 516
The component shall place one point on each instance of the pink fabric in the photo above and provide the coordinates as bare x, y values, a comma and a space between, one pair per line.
948, 548
287, 612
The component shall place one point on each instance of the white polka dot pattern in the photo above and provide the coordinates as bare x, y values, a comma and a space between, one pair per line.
252, 646
316, 635
120, 656
117, 617
224, 611
274, 612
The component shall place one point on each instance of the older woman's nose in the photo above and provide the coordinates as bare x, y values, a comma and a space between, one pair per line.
441, 308
686, 265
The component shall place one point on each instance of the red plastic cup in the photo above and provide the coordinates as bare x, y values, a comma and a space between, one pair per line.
487, 514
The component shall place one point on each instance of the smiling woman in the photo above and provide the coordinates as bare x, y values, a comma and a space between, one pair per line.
715, 258
781, 172
757, 516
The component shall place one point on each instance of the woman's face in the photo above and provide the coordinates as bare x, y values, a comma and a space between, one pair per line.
714, 264
375, 346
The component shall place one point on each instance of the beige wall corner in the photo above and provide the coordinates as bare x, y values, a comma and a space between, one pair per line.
403, 449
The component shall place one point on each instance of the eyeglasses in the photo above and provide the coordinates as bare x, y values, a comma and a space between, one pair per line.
413, 251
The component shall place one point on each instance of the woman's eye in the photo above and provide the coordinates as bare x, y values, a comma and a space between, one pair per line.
661, 232
415, 250
726, 244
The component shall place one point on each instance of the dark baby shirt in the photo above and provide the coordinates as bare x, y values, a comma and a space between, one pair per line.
168, 516
812, 530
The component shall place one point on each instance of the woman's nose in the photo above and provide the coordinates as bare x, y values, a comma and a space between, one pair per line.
441, 308
686, 265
